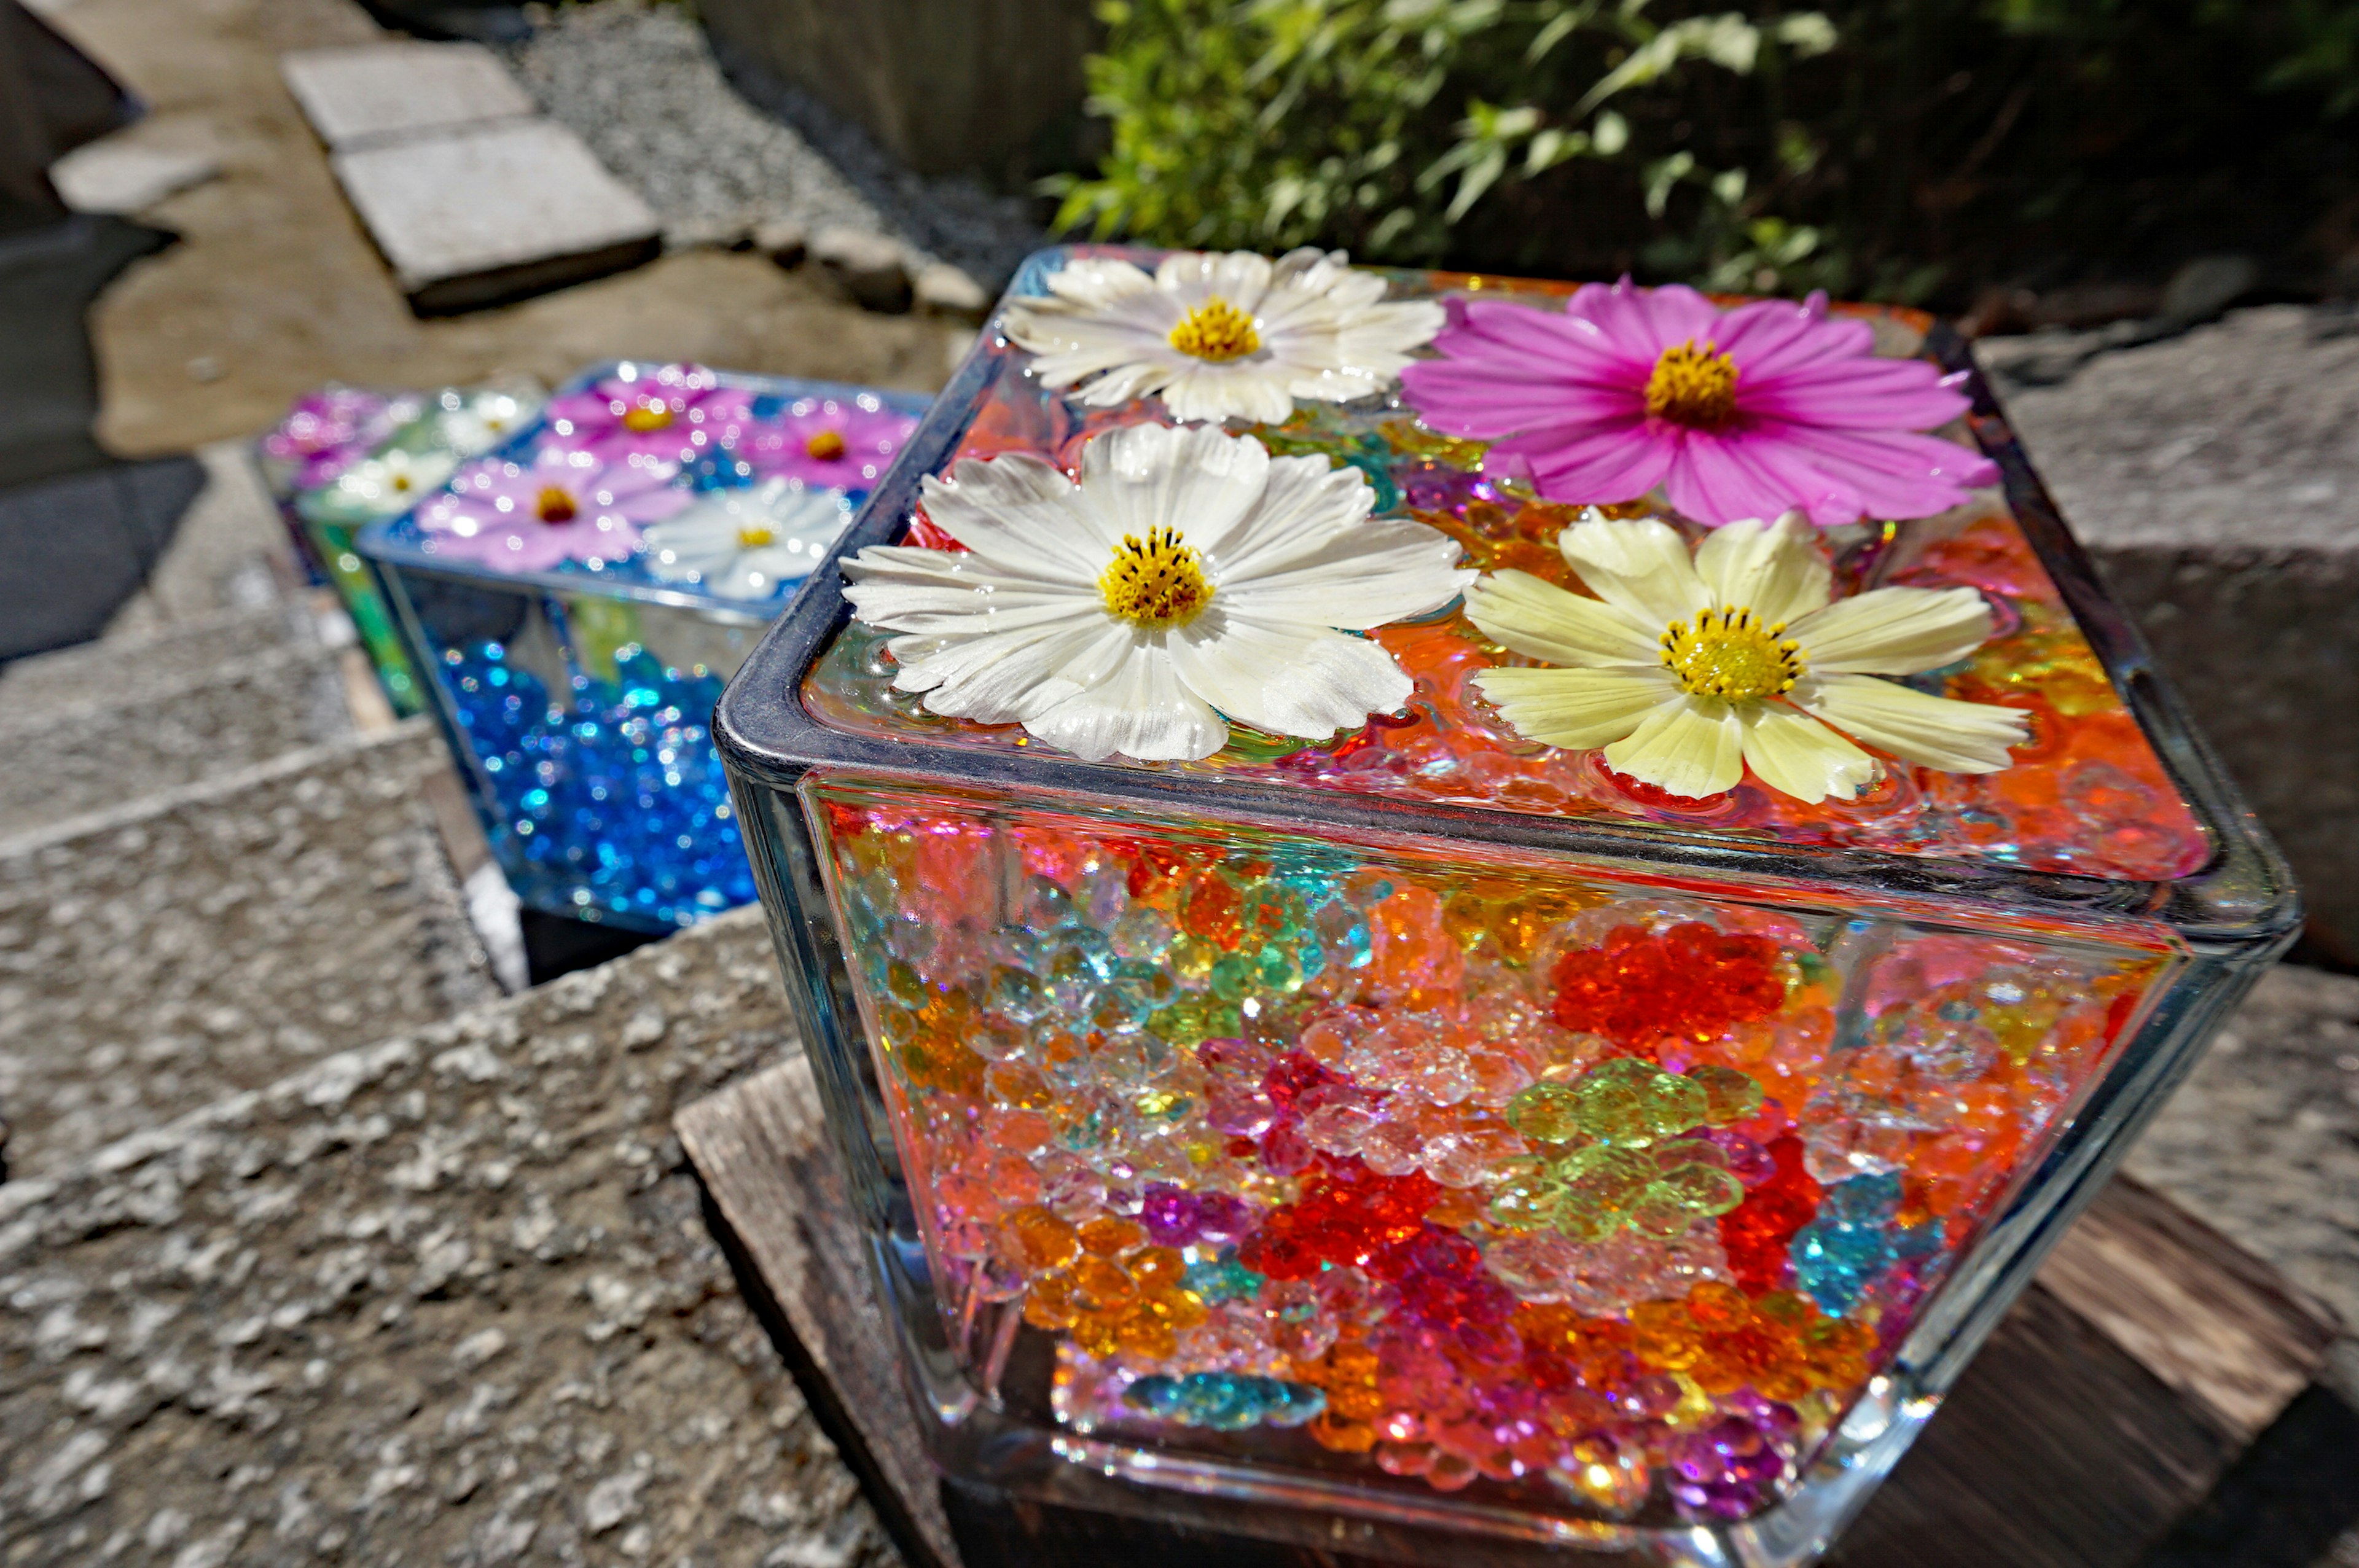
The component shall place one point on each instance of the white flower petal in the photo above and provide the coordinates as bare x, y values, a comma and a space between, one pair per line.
1389, 571
1541, 621
1287, 680
1774, 569
1796, 755
1936, 731
1894, 631
1304, 504
1640, 566
1693, 747
1021, 516
1577, 710
1240, 277
1141, 710
1193, 480
1000, 678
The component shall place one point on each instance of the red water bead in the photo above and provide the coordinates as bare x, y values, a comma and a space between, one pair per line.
1756, 1233
1347, 1214
1691, 982
1290, 1077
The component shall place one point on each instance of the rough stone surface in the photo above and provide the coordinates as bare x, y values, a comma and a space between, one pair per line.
488, 200
2214, 477
67, 762
2240, 433
640, 85
2263, 1139
215, 938
122, 670
354, 96
445, 1300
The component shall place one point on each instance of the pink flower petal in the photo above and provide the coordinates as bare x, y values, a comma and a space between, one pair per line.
1588, 465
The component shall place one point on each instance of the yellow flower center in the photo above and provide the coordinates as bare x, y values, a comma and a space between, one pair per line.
1731, 655
647, 416
555, 505
1216, 331
400, 482
827, 446
752, 536
1156, 584
1692, 386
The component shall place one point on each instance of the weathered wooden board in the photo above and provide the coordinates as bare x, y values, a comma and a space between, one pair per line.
2149, 1353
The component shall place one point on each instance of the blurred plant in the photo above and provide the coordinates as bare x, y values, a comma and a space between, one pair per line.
1274, 122
1901, 149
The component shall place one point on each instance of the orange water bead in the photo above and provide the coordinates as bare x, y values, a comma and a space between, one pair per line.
1039, 1241
1778, 1343
1415, 961
1111, 1236
1210, 908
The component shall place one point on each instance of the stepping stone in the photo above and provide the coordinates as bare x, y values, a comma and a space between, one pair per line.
446, 1299
120, 670
216, 937
2214, 479
203, 722
477, 216
117, 175
379, 92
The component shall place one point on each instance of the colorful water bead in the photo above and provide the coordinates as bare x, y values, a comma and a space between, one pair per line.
1102, 1281
1225, 1401
1628, 1164
1639, 987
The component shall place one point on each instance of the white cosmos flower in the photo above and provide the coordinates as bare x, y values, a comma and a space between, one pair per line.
743, 543
1220, 335
1188, 575
389, 484
1686, 670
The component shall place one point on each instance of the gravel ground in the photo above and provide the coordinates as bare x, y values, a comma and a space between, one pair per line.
448, 1300
639, 84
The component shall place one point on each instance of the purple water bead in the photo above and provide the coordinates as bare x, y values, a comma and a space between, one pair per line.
1728, 1470
1175, 1216
1237, 1062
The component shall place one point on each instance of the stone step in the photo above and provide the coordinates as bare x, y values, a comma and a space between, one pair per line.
444, 1300
117, 670
185, 721
158, 957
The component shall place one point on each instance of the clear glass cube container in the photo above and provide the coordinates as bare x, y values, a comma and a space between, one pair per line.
576, 691
1197, 1111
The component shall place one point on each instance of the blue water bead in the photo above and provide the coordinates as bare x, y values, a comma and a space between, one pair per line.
1225, 1401
1158, 1396
1223, 1279
610, 796
1862, 1201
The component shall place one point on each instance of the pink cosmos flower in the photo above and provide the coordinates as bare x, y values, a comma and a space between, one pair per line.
565, 506
841, 443
330, 429
1745, 413
672, 413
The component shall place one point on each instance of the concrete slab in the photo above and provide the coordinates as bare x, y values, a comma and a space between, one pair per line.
354, 97
492, 214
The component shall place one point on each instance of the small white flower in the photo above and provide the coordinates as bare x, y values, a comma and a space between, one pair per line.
1686, 670
391, 482
1188, 576
1220, 335
744, 543
471, 424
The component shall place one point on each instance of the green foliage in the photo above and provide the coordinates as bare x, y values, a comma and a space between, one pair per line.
1890, 147
1274, 122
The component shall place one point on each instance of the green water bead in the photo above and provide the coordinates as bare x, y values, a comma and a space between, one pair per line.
1232, 976
1632, 1102
1526, 1197
1600, 1184
1545, 1113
